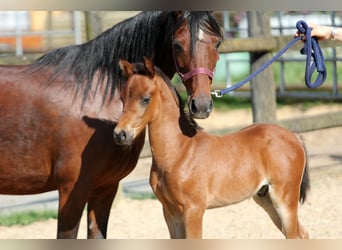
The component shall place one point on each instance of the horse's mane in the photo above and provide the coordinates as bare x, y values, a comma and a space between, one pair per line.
130, 39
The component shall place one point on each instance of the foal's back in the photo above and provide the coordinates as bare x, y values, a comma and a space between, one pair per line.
245, 160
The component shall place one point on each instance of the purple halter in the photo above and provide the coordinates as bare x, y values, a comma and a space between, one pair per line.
194, 72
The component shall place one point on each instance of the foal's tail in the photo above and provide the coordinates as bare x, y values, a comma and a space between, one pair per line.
305, 185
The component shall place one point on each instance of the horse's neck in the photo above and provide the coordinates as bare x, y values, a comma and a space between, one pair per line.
64, 94
165, 62
109, 110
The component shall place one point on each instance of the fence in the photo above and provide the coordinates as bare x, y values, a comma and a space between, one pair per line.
17, 35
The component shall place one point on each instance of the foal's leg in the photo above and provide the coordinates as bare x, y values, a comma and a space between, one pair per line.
266, 203
193, 221
175, 223
292, 228
285, 205
186, 224
302, 233
99, 206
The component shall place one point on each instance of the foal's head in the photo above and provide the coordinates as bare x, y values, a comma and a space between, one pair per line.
147, 91
140, 98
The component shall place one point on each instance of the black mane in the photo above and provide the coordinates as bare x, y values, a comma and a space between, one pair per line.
142, 35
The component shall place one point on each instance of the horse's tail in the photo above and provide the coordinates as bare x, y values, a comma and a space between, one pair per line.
305, 184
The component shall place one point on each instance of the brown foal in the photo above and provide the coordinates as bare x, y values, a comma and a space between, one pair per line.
193, 170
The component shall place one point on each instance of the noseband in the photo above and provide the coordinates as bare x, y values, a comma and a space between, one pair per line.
193, 72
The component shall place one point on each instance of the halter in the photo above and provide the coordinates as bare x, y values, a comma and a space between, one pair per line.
193, 72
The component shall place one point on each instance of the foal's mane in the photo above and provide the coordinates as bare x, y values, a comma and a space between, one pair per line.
141, 35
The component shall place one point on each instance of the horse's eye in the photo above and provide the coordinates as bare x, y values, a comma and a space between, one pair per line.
178, 47
145, 100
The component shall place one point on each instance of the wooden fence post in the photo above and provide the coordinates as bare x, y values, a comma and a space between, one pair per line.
93, 24
263, 86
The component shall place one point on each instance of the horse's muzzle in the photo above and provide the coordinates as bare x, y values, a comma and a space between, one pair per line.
200, 107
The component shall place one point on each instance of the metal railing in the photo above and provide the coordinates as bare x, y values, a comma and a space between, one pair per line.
19, 33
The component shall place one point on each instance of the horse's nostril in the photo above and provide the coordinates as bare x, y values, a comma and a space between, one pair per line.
123, 135
193, 107
201, 109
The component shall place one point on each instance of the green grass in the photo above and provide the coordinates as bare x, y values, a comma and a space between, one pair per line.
25, 218
140, 196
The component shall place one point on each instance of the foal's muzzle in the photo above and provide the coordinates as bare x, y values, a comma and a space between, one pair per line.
122, 137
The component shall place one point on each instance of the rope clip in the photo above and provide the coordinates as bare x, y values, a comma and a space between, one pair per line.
217, 93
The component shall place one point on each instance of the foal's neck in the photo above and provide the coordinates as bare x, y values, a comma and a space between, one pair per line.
170, 129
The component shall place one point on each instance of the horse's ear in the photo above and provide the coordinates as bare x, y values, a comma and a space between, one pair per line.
148, 63
126, 67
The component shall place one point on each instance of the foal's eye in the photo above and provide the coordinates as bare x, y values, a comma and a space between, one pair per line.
218, 44
145, 100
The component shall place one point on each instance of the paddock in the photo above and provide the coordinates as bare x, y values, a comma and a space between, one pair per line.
321, 213
143, 219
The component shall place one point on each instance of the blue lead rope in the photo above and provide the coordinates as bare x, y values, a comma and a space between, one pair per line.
311, 49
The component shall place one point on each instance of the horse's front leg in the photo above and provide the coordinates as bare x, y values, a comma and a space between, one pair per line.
71, 204
99, 206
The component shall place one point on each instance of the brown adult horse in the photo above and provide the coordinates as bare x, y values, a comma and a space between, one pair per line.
58, 114
192, 170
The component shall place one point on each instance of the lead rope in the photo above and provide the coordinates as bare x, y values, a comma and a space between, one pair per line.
311, 49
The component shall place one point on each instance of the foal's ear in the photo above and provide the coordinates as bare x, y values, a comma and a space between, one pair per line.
177, 14
149, 67
126, 67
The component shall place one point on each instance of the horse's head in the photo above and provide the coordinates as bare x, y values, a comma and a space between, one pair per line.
195, 45
139, 98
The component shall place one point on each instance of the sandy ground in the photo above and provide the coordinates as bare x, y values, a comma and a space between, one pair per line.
321, 214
